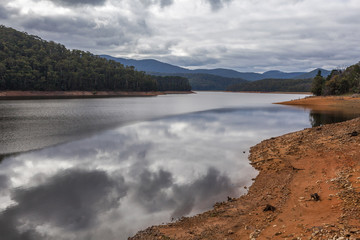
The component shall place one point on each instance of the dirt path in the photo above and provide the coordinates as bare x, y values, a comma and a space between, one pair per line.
309, 184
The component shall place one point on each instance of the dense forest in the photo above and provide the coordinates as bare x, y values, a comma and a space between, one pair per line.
172, 83
28, 62
338, 82
274, 85
206, 82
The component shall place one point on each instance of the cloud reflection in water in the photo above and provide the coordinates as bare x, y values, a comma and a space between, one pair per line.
117, 182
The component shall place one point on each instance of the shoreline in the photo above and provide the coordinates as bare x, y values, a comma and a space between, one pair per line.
344, 104
23, 95
313, 192
275, 92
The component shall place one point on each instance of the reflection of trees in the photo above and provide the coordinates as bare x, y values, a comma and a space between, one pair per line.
318, 118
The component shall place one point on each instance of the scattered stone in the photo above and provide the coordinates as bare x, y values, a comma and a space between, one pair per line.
230, 199
354, 134
315, 197
269, 208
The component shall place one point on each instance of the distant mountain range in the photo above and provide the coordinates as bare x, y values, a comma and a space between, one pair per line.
153, 66
211, 79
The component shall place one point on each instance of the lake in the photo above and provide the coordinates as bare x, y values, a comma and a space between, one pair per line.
106, 168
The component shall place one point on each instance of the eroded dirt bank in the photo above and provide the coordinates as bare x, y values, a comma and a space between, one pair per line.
323, 162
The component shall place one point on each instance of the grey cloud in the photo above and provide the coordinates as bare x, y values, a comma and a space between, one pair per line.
58, 24
79, 2
161, 3
6, 12
9, 231
204, 190
150, 190
217, 4
3, 13
4, 182
84, 34
70, 200
191, 61
164, 3
156, 190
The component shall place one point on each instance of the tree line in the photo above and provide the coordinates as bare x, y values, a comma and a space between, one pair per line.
338, 82
28, 62
274, 85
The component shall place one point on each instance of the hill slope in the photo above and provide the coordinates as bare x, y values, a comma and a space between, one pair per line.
148, 65
29, 63
338, 82
159, 68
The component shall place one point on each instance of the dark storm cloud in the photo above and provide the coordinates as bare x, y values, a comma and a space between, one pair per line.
217, 4
9, 231
72, 200
79, 2
157, 190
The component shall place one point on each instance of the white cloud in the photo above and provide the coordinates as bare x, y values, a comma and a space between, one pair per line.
245, 35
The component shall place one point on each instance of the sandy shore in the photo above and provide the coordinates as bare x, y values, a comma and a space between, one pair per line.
79, 94
307, 188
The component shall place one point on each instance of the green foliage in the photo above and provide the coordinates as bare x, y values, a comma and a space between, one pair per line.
274, 85
340, 82
318, 84
29, 63
172, 83
206, 82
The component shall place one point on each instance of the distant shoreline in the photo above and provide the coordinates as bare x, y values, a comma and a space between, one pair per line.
276, 92
346, 104
23, 95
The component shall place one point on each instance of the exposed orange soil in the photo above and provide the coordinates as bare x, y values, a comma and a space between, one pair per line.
346, 104
323, 160
76, 94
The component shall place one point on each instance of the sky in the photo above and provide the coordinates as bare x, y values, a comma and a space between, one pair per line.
244, 35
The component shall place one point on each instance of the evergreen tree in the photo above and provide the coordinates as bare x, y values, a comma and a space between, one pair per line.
318, 84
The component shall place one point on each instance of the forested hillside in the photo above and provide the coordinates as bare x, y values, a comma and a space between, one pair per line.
28, 62
206, 82
274, 85
172, 83
338, 82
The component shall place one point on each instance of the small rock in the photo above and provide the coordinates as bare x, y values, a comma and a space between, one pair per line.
354, 134
315, 197
269, 208
230, 232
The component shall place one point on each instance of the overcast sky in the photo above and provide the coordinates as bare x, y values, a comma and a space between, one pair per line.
246, 35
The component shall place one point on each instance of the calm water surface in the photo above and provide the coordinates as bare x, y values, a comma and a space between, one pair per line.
106, 168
